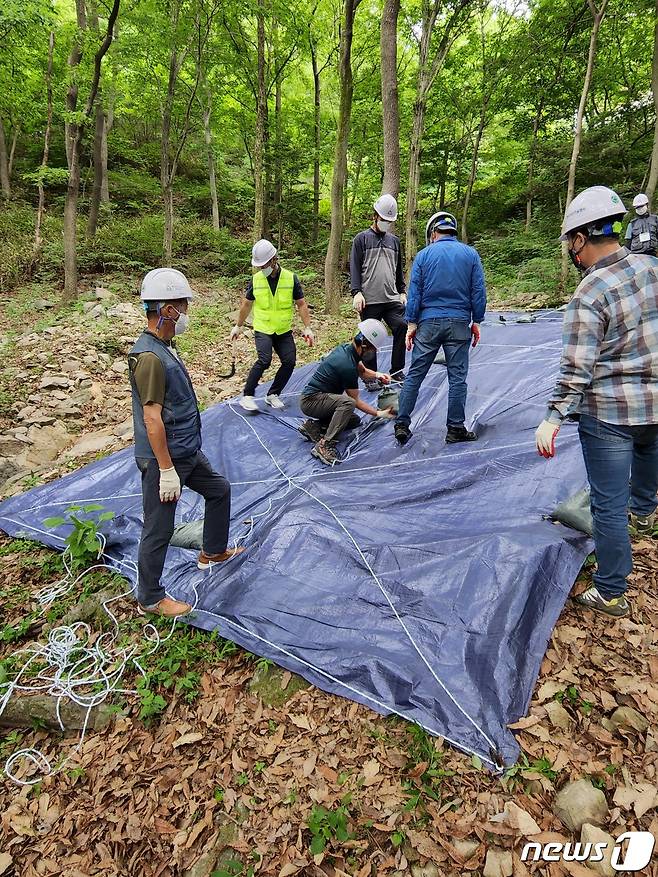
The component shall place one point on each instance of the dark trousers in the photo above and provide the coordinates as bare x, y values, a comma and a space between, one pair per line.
622, 468
433, 334
284, 347
196, 473
392, 314
331, 407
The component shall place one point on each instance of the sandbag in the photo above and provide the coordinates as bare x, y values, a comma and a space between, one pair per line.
188, 535
388, 398
575, 512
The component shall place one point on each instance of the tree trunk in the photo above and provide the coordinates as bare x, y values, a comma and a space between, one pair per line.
411, 231
390, 104
105, 187
207, 133
531, 167
4, 164
168, 240
653, 173
332, 273
38, 240
316, 143
278, 172
12, 151
261, 124
97, 188
597, 15
166, 176
473, 173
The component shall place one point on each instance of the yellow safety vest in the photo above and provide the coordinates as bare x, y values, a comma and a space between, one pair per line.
273, 313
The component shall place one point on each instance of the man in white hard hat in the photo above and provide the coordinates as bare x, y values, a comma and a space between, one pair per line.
447, 302
377, 282
609, 379
168, 442
271, 292
332, 394
642, 231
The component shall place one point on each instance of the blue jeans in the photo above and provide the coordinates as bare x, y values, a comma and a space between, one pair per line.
454, 336
613, 455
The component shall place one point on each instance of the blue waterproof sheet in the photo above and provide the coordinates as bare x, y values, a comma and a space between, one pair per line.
423, 581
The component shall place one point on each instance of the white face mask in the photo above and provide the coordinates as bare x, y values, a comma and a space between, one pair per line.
181, 324
383, 225
267, 271
642, 211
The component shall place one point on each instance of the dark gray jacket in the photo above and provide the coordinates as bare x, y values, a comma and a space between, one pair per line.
376, 267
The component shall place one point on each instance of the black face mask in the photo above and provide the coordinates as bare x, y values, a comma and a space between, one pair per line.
574, 255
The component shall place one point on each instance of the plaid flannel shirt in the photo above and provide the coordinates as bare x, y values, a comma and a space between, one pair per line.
609, 365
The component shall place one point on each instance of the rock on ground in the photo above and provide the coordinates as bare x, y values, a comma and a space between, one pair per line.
579, 802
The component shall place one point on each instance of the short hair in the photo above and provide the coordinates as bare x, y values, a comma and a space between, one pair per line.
153, 307
602, 230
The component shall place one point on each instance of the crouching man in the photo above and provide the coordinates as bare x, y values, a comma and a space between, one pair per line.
332, 394
168, 442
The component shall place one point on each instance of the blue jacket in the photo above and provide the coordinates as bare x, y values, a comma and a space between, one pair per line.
180, 412
447, 280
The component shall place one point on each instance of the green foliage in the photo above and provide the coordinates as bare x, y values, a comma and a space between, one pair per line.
571, 697
517, 774
83, 543
328, 826
424, 769
234, 868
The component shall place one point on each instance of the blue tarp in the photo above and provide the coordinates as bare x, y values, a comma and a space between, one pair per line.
423, 581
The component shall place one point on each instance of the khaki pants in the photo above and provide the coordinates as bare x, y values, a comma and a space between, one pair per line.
329, 408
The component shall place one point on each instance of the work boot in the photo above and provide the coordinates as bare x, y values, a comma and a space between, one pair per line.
642, 523
354, 422
166, 608
398, 377
617, 607
460, 434
325, 451
205, 561
311, 430
402, 433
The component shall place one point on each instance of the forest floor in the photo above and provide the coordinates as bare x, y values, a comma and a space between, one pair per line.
224, 765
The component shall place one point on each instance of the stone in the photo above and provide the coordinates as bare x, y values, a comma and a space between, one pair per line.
54, 382
275, 686
558, 716
119, 366
579, 802
428, 870
22, 712
124, 429
102, 294
93, 309
125, 312
466, 847
8, 469
88, 306
42, 304
498, 864
40, 418
592, 834
90, 359
626, 718
90, 444
47, 443
70, 366
12, 445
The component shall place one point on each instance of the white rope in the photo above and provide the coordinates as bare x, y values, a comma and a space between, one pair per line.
375, 577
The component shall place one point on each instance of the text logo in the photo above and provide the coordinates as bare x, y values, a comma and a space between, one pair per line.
632, 851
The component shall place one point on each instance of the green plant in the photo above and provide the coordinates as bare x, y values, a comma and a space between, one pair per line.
423, 755
9, 743
398, 838
83, 542
234, 868
516, 774
328, 826
572, 697
151, 704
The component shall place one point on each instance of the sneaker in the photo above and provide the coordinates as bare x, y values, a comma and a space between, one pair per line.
274, 401
460, 434
402, 433
591, 598
642, 523
398, 377
325, 451
248, 403
311, 430
205, 561
167, 608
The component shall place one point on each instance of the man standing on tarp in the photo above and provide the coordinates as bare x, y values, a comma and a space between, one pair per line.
271, 293
377, 281
332, 394
447, 302
168, 442
609, 377
642, 231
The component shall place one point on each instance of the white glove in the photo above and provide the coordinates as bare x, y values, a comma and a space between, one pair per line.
545, 438
386, 413
403, 299
235, 331
358, 302
308, 336
384, 378
169, 485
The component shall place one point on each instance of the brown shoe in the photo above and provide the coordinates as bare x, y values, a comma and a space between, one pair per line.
205, 560
166, 607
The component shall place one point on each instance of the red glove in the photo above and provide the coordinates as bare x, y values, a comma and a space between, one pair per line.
475, 332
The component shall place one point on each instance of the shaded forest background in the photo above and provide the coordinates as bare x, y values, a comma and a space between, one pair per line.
135, 133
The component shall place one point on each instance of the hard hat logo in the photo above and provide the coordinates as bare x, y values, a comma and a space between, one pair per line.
591, 206
387, 207
374, 332
162, 284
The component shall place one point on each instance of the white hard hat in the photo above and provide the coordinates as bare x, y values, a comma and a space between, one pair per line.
442, 218
374, 331
262, 252
165, 284
592, 205
640, 201
387, 207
